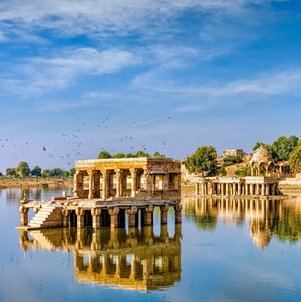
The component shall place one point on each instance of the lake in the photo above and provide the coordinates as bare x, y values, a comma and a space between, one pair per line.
224, 250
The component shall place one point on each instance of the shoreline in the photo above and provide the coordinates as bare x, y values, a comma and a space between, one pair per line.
34, 183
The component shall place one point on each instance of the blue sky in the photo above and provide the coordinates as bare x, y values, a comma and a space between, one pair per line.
80, 76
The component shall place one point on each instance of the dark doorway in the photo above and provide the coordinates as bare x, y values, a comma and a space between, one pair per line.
73, 219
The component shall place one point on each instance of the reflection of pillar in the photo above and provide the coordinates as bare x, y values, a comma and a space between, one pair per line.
263, 189
113, 216
239, 189
80, 217
164, 214
178, 213
267, 190
257, 189
134, 182
96, 217
23, 215
132, 221
178, 232
164, 233
133, 267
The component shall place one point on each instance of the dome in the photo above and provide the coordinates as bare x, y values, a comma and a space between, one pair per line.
261, 154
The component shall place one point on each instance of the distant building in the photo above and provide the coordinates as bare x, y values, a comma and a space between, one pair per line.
233, 152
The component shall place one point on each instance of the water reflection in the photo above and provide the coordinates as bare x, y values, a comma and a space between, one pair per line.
135, 260
266, 218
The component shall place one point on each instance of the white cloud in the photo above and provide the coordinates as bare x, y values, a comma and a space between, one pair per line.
105, 16
38, 74
205, 95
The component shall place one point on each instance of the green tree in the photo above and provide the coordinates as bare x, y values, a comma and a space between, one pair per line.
158, 155
258, 144
23, 169
231, 160
45, 173
66, 174
295, 160
283, 147
56, 172
72, 172
140, 153
119, 155
36, 171
203, 161
11, 172
104, 155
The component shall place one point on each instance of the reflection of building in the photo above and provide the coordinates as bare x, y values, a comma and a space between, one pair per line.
138, 260
262, 215
108, 191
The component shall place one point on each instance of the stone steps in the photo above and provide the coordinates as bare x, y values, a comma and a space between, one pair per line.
43, 216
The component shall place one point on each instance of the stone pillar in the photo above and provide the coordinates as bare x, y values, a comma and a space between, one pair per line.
96, 217
119, 183
178, 213
79, 187
239, 189
80, 217
105, 189
148, 182
23, 215
113, 216
227, 189
65, 214
148, 215
134, 182
132, 221
133, 268
164, 214
91, 182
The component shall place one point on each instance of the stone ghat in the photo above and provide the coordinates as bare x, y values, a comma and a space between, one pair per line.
96, 213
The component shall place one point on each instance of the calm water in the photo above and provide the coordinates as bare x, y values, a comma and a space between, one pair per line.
224, 251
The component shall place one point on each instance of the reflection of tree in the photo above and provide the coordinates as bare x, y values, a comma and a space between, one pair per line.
289, 226
206, 222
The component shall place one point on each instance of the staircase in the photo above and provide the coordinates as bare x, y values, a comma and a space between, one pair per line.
49, 216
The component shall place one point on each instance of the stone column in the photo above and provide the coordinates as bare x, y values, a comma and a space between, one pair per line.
164, 214
23, 215
178, 213
133, 268
96, 217
132, 221
65, 214
113, 216
105, 189
148, 215
149, 182
227, 189
134, 182
119, 183
90, 195
79, 187
239, 189
80, 217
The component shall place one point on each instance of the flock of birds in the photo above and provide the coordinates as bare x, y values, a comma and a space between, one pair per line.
77, 143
